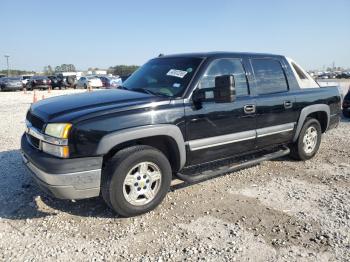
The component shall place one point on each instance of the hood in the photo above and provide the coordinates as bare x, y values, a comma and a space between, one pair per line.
67, 108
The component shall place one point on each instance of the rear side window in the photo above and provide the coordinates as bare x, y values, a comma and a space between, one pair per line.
269, 76
226, 66
300, 73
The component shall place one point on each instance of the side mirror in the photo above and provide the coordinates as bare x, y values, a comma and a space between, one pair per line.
201, 95
198, 96
224, 90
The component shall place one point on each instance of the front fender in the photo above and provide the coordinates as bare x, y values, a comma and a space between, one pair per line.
113, 139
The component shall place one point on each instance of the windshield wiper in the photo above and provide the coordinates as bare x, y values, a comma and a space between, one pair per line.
147, 91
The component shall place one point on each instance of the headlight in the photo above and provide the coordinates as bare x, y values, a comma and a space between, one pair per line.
56, 139
58, 130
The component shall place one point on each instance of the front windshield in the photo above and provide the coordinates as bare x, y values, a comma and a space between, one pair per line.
164, 76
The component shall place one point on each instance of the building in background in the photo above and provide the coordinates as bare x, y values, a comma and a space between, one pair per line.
97, 72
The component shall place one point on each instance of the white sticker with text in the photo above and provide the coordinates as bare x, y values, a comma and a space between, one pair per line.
176, 73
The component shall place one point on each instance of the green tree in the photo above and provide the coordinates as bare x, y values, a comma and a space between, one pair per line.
65, 68
58, 69
16, 72
122, 70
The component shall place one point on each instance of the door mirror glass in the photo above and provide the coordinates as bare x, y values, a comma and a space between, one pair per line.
224, 90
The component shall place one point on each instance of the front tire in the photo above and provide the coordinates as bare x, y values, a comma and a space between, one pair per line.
308, 142
136, 180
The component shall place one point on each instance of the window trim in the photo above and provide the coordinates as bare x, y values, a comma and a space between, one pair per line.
255, 79
230, 58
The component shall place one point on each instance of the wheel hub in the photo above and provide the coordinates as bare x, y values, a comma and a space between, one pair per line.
142, 183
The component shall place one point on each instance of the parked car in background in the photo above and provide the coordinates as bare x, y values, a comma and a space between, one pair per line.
38, 82
89, 81
11, 83
56, 82
110, 81
25, 80
344, 75
346, 104
67, 81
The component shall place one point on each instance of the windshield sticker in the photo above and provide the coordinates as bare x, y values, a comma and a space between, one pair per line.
176, 85
176, 73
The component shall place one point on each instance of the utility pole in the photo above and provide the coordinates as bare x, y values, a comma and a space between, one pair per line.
8, 68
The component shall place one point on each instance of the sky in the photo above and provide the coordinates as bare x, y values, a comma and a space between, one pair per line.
315, 33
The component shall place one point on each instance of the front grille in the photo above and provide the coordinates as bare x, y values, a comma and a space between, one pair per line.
33, 141
35, 121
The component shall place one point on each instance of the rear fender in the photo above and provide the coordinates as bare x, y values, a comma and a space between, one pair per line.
307, 111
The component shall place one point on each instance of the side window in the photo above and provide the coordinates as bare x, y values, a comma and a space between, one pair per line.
269, 76
226, 66
300, 73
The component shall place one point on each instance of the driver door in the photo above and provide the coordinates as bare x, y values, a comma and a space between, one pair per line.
221, 130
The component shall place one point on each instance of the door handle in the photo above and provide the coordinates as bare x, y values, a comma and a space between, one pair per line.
288, 104
249, 109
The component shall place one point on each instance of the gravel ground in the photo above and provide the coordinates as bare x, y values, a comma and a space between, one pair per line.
280, 210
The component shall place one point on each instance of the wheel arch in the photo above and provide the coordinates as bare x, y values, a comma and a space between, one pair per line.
321, 112
166, 138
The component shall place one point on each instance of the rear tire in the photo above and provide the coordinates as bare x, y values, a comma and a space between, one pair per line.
308, 142
135, 180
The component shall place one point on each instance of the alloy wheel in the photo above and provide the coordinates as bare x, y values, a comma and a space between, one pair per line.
142, 183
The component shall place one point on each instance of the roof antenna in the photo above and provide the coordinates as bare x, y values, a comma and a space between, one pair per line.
160, 55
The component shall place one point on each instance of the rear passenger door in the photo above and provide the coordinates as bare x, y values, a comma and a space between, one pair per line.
276, 116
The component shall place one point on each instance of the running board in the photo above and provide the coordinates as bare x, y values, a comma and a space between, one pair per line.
230, 168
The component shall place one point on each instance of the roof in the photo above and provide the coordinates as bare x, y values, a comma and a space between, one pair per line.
217, 54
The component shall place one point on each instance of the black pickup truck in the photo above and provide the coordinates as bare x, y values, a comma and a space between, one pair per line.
176, 117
